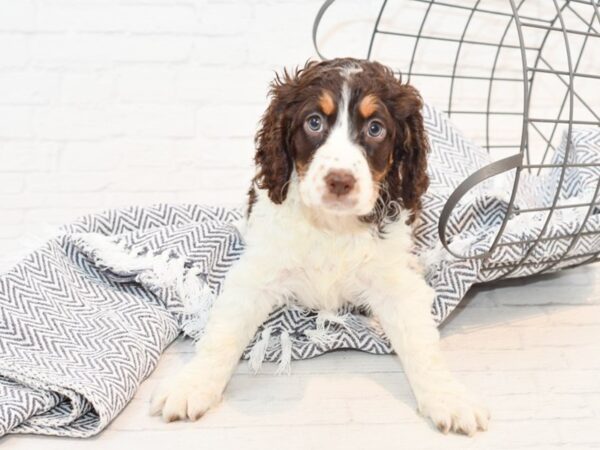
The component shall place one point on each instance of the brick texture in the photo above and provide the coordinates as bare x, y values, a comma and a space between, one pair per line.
105, 103
111, 103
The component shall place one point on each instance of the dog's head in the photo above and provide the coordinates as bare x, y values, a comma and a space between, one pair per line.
353, 134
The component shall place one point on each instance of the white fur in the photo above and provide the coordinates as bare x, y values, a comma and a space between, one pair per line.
339, 153
350, 70
322, 257
322, 261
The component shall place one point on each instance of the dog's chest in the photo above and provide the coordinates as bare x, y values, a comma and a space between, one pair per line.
323, 267
324, 271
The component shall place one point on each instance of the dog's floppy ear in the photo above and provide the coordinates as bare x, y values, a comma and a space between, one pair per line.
411, 147
273, 154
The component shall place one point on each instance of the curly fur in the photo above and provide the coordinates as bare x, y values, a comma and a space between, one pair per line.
325, 189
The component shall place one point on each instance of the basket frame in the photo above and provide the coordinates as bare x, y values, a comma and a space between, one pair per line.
522, 160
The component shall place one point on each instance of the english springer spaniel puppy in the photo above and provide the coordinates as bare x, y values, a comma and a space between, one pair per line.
341, 165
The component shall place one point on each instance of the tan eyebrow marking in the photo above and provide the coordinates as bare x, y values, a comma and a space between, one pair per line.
326, 103
368, 105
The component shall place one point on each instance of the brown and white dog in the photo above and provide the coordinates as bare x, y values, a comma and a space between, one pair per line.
341, 167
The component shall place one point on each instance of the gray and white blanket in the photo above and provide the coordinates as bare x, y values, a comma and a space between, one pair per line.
85, 318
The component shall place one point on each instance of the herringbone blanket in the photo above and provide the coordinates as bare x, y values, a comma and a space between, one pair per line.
84, 319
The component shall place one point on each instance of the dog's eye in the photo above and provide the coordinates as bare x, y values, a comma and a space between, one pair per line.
314, 123
375, 129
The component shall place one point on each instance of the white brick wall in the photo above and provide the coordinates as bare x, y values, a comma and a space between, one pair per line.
106, 103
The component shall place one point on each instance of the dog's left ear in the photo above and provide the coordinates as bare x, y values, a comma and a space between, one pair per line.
273, 153
411, 147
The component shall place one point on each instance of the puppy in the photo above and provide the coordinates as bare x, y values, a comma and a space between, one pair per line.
341, 165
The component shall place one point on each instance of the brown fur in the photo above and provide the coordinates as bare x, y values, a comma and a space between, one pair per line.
273, 159
399, 163
407, 178
251, 200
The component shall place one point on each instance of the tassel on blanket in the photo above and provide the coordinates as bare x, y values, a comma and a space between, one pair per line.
167, 271
285, 363
197, 299
323, 334
257, 354
160, 271
259, 351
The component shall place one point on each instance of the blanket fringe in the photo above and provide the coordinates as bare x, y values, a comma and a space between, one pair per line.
257, 354
285, 362
323, 334
168, 271
165, 270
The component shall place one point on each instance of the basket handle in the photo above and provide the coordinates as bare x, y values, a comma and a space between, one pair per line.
489, 171
324, 7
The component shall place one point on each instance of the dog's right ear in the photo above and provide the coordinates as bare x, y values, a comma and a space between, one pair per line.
273, 154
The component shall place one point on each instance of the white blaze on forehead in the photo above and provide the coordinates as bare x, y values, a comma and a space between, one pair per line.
340, 153
343, 119
347, 71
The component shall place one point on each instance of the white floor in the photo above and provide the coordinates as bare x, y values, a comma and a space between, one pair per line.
531, 349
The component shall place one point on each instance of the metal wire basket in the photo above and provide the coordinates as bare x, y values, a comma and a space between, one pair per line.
478, 59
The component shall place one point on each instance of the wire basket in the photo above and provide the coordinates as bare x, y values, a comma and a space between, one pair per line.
518, 74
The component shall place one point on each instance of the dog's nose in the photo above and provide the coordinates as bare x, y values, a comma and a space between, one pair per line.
340, 182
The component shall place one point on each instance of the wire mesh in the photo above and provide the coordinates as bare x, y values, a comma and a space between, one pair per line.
517, 74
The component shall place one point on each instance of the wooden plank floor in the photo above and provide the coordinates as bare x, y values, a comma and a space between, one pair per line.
530, 349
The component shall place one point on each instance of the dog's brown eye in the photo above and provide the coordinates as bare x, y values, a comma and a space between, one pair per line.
376, 129
314, 123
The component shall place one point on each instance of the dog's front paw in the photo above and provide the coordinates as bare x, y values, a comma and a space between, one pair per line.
183, 398
455, 412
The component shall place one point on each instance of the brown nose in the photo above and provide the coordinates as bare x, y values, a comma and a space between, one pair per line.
340, 182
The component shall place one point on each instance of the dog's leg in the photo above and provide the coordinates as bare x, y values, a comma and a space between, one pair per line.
406, 318
238, 312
